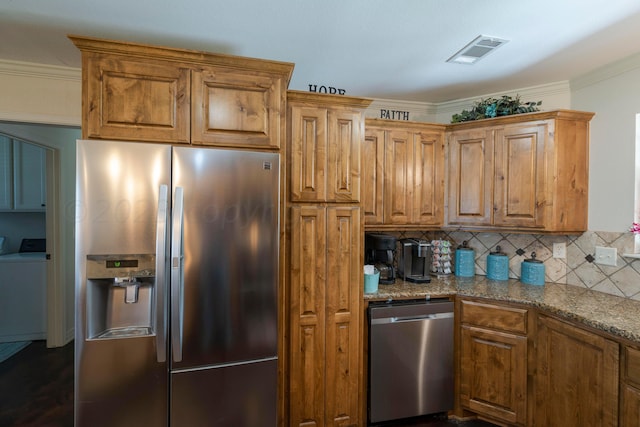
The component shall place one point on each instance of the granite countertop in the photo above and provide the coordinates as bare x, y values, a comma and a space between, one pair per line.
609, 313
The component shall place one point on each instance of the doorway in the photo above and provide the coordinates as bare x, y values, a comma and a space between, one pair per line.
59, 141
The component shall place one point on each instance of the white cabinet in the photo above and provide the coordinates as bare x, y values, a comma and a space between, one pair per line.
23, 302
6, 173
22, 174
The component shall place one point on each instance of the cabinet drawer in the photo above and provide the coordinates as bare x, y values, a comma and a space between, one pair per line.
632, 365
504, 318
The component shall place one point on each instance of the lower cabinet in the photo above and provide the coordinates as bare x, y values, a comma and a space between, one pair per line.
630, 387
577, 377
325, 291
520, 367
493, 361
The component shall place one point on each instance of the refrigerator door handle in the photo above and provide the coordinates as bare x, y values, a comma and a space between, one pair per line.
161, 275
177, 288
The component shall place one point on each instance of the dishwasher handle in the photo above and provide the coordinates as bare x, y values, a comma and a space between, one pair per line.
400, 319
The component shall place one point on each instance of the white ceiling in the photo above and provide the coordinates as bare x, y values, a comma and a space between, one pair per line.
393, 49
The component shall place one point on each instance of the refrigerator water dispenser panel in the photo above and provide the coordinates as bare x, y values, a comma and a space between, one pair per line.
120, 296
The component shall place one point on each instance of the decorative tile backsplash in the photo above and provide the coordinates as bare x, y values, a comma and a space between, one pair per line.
576, 269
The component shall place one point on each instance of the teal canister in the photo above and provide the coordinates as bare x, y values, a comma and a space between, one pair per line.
465, 262
532, 271
497, 265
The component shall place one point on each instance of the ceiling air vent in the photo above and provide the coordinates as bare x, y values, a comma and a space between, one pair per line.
478, 48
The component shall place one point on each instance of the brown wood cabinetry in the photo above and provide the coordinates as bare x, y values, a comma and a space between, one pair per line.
630, 387
493, 361
325, 327
403, 174
525, 172
576, 377
133, 99
147, 93
324, 260
325, 153
237, 108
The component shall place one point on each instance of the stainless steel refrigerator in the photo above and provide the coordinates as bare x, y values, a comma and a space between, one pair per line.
176, 286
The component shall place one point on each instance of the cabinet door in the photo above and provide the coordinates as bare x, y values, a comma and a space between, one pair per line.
630, 388
308, 153
470, 178
428, 188
325, 154
344, 155
629, 406
29, 170
343, 296
520, 197
307, 312
372, 176
398, 178
135, 100
239, 109
576, 377
493, 380
6, 173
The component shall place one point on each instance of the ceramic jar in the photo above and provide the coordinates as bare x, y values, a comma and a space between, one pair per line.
532, 271
497, 265
465, 262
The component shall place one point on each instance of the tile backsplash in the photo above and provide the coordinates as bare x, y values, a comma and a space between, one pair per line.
576, 269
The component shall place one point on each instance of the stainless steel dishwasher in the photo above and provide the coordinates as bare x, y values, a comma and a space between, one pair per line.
410, 358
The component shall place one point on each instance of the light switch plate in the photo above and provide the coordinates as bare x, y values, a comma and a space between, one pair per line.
606, 256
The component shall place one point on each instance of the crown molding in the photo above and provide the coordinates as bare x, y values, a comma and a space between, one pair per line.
418, 111
431, 111
28, 69
45, 119
531, 92
606, 72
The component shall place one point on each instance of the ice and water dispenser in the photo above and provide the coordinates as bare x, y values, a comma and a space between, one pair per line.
120, 296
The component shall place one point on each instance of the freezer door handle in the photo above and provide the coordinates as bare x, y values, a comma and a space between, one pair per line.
177, 277
161, 275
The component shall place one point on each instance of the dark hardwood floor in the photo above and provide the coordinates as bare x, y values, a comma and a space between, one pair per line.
36, 390
36, 387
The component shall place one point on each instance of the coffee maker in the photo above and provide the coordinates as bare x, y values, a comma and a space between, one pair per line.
379, 250
414, 260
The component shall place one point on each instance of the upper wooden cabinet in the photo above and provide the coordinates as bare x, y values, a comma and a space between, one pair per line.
403, 174
325, 147
147, 93
525, 172
237, 108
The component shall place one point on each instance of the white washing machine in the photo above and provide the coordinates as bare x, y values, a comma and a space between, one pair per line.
23, 301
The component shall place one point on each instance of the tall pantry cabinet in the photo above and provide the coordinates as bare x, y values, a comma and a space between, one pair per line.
325, 257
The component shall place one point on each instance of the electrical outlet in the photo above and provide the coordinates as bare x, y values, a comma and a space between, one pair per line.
606, 256
560, 250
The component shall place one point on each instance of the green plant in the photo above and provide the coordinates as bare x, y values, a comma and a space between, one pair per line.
496, 107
